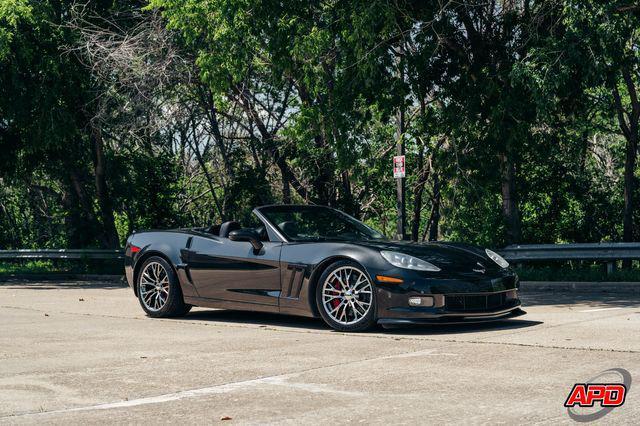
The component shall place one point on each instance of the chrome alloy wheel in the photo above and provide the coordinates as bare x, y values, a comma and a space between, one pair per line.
154, 286
347, 295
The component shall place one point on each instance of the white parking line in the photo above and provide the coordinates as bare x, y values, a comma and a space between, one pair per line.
281, 380
426, 352
600, 309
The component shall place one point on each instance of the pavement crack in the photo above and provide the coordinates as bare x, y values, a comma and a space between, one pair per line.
277, 379
365, 335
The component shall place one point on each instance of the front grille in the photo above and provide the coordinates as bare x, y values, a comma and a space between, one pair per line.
474, 302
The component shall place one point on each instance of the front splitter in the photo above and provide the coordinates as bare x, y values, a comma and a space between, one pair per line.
452, 319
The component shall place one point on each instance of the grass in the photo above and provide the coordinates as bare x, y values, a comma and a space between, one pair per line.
33, 267
99, 267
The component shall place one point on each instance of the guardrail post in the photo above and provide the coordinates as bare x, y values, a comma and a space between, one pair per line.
611, 267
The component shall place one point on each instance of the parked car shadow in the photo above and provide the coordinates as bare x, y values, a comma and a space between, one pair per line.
276, 320
437, 329
261, 318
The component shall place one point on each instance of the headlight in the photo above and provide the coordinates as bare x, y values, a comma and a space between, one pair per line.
401, 260
497, 258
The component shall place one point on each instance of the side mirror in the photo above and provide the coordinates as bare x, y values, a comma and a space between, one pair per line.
247, 234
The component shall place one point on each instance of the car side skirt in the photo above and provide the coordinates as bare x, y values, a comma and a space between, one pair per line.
231, 305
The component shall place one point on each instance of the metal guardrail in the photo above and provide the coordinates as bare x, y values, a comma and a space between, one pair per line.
72, 254
607, 253
523, 253
601, 251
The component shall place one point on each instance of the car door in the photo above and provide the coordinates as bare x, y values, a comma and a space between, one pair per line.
226, 270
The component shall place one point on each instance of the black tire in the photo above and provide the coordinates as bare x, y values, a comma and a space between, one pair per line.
367, 320
174, 305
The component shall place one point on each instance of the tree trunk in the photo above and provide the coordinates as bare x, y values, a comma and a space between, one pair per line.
82, 225
110, 235
433, 224
281, 162
269, 141
347, 197
207, 176
629, 188
509, 201
434, 220
631, 152
628, 122
423, 175
76, 222
80, 193
286, 188
212, 115
323, 182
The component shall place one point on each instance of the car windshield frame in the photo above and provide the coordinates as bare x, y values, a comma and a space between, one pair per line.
360, 231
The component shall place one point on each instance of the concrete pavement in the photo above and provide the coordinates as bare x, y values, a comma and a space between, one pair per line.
85, 353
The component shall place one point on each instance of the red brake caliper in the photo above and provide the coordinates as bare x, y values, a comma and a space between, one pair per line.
335, 302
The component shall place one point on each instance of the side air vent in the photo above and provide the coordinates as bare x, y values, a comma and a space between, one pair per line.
294, 281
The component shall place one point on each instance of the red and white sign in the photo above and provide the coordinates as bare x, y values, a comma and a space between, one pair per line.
398, 166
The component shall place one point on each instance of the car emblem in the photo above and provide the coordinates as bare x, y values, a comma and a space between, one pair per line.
481, 269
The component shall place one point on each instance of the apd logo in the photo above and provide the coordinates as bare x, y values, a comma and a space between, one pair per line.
594, 393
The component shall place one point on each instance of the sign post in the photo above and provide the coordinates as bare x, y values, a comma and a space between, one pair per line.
398, 159
398, 166
399, 173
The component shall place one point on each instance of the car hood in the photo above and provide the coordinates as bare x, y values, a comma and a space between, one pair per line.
447, 256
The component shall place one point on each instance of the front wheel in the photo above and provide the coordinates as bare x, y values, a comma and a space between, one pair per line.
159, 291
345, 297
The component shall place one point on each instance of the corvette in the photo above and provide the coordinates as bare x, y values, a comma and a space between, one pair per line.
317, 261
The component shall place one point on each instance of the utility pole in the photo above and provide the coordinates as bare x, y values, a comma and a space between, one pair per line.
401, 223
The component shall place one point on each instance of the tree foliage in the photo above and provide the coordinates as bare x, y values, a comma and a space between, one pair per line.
519, 118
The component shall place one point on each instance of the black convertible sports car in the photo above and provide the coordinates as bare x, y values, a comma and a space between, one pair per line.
317, 261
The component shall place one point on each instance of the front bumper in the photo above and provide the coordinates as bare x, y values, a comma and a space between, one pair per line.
449, 301
457, 318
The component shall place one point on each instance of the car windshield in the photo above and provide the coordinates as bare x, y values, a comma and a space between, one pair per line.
316, 223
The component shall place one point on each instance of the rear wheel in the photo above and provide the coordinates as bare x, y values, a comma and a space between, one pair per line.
345, 297
159, 291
